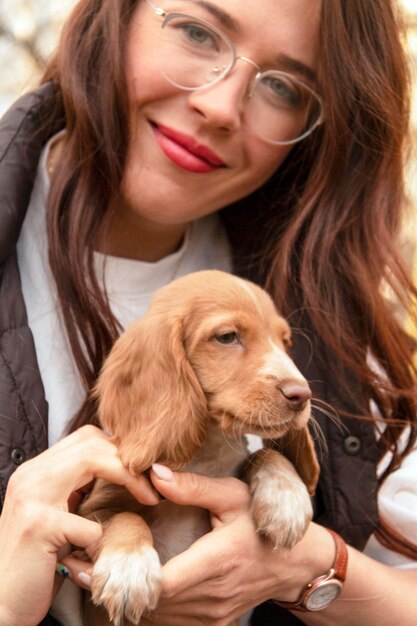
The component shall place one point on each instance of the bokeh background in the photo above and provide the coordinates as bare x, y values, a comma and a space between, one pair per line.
29, 30
410, 229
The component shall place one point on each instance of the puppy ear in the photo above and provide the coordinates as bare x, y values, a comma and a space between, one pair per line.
298, 447
149, 397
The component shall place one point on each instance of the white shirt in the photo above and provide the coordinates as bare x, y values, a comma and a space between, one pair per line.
397, 502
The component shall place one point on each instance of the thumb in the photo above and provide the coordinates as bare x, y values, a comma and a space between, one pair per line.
83, 533
221, 496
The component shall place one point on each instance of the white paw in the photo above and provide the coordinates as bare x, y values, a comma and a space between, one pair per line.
127, 584
281, 508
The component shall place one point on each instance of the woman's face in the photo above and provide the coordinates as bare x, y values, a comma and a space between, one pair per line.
167, 179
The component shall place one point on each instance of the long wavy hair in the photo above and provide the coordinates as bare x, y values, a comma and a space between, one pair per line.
326, 224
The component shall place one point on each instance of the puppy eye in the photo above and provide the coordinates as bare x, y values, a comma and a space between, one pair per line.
287, 342
227, 339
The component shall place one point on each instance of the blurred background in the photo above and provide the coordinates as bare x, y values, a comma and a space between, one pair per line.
29, 30
410, 13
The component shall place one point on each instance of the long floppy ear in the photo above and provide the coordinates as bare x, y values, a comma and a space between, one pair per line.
298, 447
149, 397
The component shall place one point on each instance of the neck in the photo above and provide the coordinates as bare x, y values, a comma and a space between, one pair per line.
127, 235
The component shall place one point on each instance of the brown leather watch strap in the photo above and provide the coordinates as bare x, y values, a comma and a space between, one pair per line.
341, 556
337, 571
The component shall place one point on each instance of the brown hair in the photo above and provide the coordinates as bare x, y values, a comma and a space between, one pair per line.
330, 217
88, 70
348, 221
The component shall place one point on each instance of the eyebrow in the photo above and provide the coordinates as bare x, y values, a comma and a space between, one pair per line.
223, 17
286, 62
296, 67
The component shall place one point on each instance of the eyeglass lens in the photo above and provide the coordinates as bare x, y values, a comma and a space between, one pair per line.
194, 55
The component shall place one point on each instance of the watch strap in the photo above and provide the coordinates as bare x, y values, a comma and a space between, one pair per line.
341, 556
337, 571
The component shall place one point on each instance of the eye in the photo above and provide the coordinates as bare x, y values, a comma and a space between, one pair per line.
227, 339
281, 92
287, 342
197, 35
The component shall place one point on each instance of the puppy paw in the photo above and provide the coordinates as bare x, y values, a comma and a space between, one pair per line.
127, 584
281, 508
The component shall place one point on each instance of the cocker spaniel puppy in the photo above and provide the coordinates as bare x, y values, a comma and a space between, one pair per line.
183, 386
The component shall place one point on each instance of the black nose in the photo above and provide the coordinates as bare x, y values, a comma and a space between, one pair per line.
297, 393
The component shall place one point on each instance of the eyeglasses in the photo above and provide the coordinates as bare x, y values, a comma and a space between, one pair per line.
194, 55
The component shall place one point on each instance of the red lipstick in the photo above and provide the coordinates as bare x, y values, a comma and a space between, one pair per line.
185, 152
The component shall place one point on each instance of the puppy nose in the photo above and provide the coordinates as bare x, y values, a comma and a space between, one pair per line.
296, 392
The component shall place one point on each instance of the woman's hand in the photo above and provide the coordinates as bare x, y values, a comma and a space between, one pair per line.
38, 520
232, 569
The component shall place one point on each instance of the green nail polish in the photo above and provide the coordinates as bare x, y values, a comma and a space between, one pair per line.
61, 570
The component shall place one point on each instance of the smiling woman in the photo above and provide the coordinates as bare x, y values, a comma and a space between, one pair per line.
260, 138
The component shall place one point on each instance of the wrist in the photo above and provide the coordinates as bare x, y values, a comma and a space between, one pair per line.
312, 557
319, 592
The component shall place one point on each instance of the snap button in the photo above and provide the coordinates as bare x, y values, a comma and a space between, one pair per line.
352, 445
18, 456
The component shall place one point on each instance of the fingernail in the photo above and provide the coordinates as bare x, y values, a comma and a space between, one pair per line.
61, 570
162, 472
84, 578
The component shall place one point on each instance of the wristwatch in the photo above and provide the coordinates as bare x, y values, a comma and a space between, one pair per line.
322, 591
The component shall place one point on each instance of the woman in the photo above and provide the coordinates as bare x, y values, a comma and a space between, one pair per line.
262, 138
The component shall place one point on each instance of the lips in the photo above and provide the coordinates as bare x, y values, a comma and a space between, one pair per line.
185, 151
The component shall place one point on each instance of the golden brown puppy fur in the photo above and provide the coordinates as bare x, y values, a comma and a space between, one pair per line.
182, 386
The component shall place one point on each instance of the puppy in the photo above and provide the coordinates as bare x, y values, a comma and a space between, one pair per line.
183, 386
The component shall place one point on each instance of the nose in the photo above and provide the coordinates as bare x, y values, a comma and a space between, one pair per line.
296, 393
222, 105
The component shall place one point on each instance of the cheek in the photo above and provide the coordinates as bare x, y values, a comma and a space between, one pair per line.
228, 376
219, 370
142, 69
269, 157
263, 161
144, 87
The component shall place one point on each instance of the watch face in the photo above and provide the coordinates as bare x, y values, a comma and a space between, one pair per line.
323, 595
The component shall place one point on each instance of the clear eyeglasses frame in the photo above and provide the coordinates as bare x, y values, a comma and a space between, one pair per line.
195, 55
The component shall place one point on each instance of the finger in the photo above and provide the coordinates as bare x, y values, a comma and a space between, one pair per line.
103, 461
141, 488
75, 530
75, 461
210, 559
223, 497
185, 571
192, 614
190, 617
182, 573
74, 501
75, 471
79, 571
